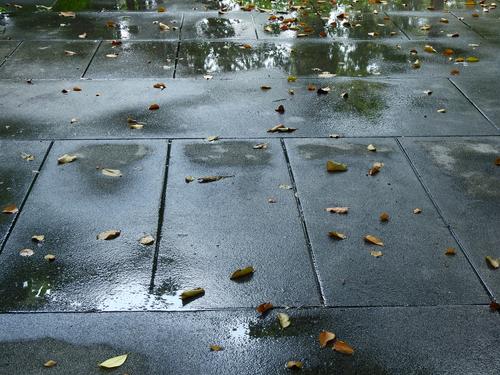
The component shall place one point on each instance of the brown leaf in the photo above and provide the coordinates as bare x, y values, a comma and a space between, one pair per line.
311, 87
281, 128
337, 235
450, 251
10, 209
109, 235
494, 306
384, 217
492, 262
497, 161
376, 167
326, 337
66, 158
67, 14
280, 109
374, 240
333, 166
343, 347
242, 272
192, 293
294, 365
284, 320
207, 179
26, 252
160, 86
455, 72
50, 363
337, 210
264, 307
154, 107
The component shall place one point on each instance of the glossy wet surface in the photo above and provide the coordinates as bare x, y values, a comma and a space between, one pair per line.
207, 125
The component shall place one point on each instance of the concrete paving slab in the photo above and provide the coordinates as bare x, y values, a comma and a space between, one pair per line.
6, 48
386, 341
71, 204
413, 268
20, 162
218, 107
484, 96
96, 26
463, 179
212, 229
487, 24
211, 25
49, 59
431, 26
134, 59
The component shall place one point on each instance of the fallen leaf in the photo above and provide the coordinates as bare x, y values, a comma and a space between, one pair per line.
425, 27
109, 235
265, 87
428, 92
472, 59
82, 36
371, 147
192, 293
455, 72
163, 27
216, 348
27, 157
333, 166
147, 240
376, 253
69, 53
323, 90
494, 306
189, 179
76, 88
337, 210
441, 110
492, 262
280, 109
154, 107
114, 362
417, 211
264, 307
26, 252
285, 187
213, 138
384, 216
73, 120
271, 200
311, 87
443, 20
291, 79
497, 161
242, 272
416, 64
207, 179
453, 35
284, 320
343, 347
376, 167
208, 77
38, 238
10, 209
111, 172
325, 337
263, 146
430, 49
337, 235
67, 14
50, 363
448, 52
136, 126
281, 128
160, 86
66, 158
374, 240
294, 365
112, 55
450, 251
161, 9
49, 257
344, 95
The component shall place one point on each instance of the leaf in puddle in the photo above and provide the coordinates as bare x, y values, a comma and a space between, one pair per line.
371, 147
443, 20
69, 53
294, 365
114, 362
325, 338
216, 348
425, 27
192, 293
67, 14
455, 72
376, 253
416, 64
263, 146
376, 167
281, 128
136, 126
66, 158
337, 235
384, 217
311, 87
82, 36
111, 172
208, 77
428, 92
374, 240
264, 307
429, 49
160, 86
26, 252
450, 251
163, 27
284, 320
333, 166
343, 347
472, 59
109, 235
291, 79
492, 262
50, 257
50, 363
417, 211
323, 90
154, 107
265, 87
10, 209
497, 161
242, 272
27, 157
448, 52
213, 138
207, 179
147, 240
38, 238
337, 210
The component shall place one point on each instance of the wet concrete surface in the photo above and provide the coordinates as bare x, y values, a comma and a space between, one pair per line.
210, 25
485, 24
386, 341
6, 48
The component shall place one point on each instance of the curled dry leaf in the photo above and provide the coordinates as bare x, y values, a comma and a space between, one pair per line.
216, 348
337, 210
77, 88
280, 128
154, 107
242, 272
10, 209
497, 161
50, 257
109, 235
337, 235
67, 14
38, 238
344, 95
27, 157
263, 146
441, 110
284, 320
384, 216
374, 240
333, 166
26, 252
192, 293
494, 306
163, 27
264, 307
428, 92
66, 158
492, 262
280, 109
114, 362
213, 138
160, 86
189, 179
69, 53
450, 251
207, 179
376, 253
417, 211
50, 363
325, 338
294, 365
111, 172
343, 347
371, 147
376, 167
265, 87
147, 240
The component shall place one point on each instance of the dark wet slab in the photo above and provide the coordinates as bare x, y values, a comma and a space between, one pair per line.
108, 25
37, 59
463, 179
484, 96
260, 60
487, 24
413, 268
433, 26
386, 341
218, 107
211, 25
133, 59
6, 48
212, 229
20, 163
71, 204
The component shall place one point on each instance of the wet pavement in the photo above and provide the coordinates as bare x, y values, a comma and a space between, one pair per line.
142, 158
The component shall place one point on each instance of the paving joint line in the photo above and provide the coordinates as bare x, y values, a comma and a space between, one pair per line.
455, 236
161, 217
11, 53
310, 251
91, 60
25, 198
399, 28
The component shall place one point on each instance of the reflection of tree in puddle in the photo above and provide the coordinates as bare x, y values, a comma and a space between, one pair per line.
217, 27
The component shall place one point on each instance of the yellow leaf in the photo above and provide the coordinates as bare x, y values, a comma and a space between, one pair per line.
109, 235
197, 292
343, 347
10, 209
371, 147
50, 363
291, 79
374, 240
213, 138
27, 157
384, 216
66, 158
239, 273
163, 27
450, 251
38, 238
114, 362
326, 337
472, 59
430, 49
294, 364
376, 167
111, 172
49, 257
492, 262
333, 166
284, 320
337, 235
216, 348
